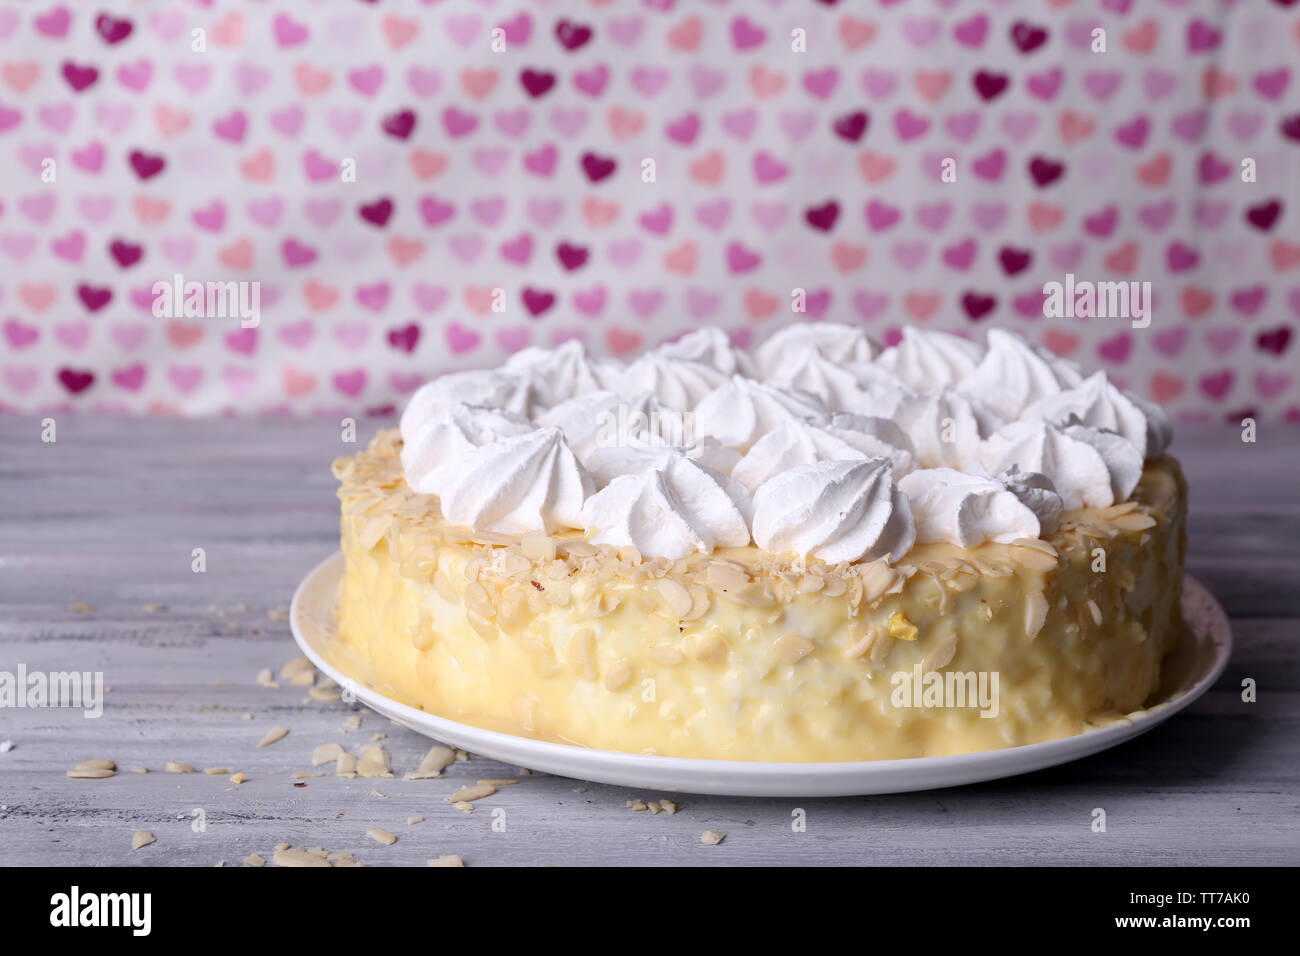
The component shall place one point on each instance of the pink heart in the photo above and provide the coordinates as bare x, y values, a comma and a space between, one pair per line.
461, 339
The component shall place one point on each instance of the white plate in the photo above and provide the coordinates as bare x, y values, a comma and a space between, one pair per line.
1193, 667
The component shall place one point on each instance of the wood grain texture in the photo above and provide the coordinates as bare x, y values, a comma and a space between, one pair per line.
108, 515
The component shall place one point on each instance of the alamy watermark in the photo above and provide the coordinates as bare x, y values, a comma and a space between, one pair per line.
624, 426
180, 299
80, 689
977, 690
1100, 300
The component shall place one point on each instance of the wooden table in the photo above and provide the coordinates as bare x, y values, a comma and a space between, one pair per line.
107, 517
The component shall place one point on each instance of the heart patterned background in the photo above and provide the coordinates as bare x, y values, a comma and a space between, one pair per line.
522, 169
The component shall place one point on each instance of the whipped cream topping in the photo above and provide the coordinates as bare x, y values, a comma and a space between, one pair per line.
1013, 374
428, 447
831, 438
516, 484
491, 388
945, 427
676, 383
1087, 467
603, 419
815, 420
672, 507
966, 509
711, 346
741, 411
925, 360
1097, 403
561, 373
839, 343
859, 387
834, 511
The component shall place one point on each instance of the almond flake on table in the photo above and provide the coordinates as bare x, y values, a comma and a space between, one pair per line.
273, 735
476, 792
712, 837
325, 753
174, 767
447, 859
141, 838
382, 836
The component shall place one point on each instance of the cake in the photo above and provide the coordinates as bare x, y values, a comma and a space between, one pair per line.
818, 551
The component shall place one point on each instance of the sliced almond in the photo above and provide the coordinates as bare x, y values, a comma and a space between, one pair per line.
476, 792
141, 838
273, 735
381, 836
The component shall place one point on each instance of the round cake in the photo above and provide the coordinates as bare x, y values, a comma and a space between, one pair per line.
818, 551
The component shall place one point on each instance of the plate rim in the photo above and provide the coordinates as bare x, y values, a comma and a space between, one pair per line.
989, 764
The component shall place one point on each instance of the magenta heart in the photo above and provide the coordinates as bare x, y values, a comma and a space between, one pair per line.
517, 250
210, 218
1101, 224
768, 169
19, 335
991, 165
1249, 300
1047, 84
972, 32
461, 339
961, 255
1180, 257
977, 305
537, 301
231, 127
742, 259
404, 338
880, 216
1170, 342
590, 302
89, 157
1116, 348
909, 125
685, 129
74, 380
399, 125
542, 160
1201, 36
374, 296
288, 31
592, 81
741, 123
296, 253
1217, 385
350, 383
130, 378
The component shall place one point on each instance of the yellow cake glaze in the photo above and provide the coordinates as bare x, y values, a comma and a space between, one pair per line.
746, 655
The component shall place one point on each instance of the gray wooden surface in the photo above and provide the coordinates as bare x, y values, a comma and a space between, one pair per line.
109, 514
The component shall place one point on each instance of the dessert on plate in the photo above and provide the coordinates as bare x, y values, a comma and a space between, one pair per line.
818, 551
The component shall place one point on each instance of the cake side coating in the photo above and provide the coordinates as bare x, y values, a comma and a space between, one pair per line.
747, 655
